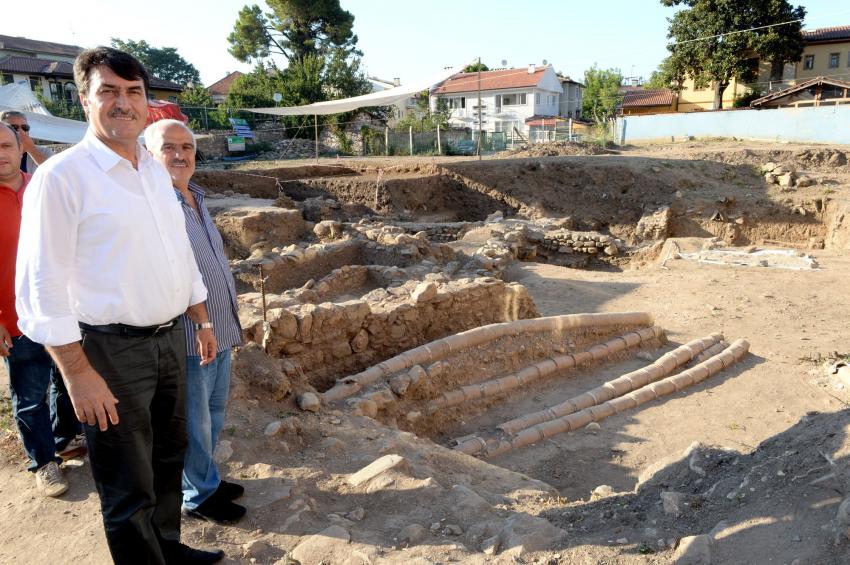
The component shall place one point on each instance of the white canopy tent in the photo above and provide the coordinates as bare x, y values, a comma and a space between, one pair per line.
43, 124
387, 97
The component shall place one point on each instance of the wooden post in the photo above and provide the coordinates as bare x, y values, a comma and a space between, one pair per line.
206, 120
570, 129
480, 114
387, 140
439, 148
316, 130
411, 139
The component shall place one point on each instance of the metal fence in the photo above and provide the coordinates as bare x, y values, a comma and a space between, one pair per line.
452, 141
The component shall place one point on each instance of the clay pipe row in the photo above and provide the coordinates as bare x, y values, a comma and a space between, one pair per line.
648, 393
542, 369
663, 366
441, 348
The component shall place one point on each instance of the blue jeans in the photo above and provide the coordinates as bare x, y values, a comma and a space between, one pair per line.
206, 399
40, 403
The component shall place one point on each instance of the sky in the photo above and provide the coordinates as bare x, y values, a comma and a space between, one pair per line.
408, 40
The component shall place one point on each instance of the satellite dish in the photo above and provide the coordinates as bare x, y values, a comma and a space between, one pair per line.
545, 62
277, 97
504, 62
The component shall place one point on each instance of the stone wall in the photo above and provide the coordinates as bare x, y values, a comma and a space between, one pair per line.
330, 340
245, 228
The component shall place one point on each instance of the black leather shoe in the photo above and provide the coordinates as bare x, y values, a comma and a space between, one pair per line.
181, 554
229, 491
218, 510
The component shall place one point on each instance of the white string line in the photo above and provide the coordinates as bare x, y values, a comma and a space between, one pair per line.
733, 32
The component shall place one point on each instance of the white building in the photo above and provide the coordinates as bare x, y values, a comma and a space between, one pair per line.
510, 98
571, 99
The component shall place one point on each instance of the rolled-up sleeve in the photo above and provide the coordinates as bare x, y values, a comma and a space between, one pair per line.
46, 252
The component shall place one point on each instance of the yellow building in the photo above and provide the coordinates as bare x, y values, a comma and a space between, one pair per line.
826, 54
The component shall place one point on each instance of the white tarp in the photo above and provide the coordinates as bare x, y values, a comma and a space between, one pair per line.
386, 97
43, 124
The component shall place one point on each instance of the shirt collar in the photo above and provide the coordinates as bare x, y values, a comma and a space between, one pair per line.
26, 181
105, 157
194, 189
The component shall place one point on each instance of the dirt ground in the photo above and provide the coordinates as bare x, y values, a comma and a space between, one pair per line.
765, 479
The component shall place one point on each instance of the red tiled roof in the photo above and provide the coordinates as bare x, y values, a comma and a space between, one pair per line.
491, 80
538, 120
33, 66
36, 46
223, 86
827, 34
658, 97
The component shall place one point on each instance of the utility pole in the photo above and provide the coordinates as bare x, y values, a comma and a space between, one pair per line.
316, 132
480, 115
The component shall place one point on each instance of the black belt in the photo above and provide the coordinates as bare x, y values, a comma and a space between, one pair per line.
131, 331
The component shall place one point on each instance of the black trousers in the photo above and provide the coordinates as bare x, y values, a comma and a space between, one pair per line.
137, 465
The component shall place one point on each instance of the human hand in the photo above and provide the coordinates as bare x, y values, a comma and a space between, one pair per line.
206, 344
5, 341
93, 402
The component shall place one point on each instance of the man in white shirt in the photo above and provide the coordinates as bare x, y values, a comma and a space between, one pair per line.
104, 272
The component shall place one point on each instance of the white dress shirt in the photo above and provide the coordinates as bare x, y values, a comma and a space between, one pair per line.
101, 243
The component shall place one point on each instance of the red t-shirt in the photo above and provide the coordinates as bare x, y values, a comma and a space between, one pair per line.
11, 202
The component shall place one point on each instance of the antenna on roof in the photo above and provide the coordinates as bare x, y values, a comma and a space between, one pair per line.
545, 62
504, 62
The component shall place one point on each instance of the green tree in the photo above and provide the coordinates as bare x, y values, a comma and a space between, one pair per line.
164, 63
196, 97
255, 89
475, 67
601, 95
715, 40
663, 77
293, 28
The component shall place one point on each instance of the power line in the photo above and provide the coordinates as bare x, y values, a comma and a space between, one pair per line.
733, 32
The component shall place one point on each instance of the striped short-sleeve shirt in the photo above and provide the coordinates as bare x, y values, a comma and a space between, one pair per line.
221, 290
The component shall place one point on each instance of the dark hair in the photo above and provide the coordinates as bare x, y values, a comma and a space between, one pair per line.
11, 129
122, 64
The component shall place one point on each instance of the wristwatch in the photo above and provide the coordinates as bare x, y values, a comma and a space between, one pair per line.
204, 326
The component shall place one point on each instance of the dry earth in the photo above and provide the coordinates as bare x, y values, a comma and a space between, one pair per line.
764, 483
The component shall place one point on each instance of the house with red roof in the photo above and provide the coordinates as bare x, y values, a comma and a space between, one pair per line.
511, 99
48, 69
221, 88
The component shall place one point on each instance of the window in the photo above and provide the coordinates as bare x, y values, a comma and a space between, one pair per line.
537, 98
35, 84
457, 102
7, 79
71, 92
809, 62
521, 99
56, 93
833, 60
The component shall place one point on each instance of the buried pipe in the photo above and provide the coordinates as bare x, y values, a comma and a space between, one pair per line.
578, 420
660, 368
542, 369
441, 348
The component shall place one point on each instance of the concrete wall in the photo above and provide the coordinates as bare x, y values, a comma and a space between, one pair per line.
818, 125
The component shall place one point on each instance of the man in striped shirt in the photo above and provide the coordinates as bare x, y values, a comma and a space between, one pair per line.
205, 495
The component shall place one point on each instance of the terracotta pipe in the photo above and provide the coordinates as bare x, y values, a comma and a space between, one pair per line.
573, 422
656, 370
441, 348
542, 369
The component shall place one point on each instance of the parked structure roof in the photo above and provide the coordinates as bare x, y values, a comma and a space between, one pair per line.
800, 86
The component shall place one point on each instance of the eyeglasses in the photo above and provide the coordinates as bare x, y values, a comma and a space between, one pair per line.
16, 127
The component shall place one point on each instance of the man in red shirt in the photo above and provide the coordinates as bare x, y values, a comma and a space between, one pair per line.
46, 425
